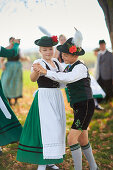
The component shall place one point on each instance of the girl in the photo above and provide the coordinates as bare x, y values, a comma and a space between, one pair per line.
43, 138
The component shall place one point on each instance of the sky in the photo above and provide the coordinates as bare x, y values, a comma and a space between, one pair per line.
57, 16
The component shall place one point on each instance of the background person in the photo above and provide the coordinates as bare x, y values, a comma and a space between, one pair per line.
12, 79
104, 73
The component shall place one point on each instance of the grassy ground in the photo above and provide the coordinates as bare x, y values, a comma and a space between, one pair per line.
100, 134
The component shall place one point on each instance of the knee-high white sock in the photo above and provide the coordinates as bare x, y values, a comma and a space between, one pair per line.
77, 156
87, 150
0, 149
41, 167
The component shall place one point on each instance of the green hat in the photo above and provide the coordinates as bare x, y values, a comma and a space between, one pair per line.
70, 48
47, 41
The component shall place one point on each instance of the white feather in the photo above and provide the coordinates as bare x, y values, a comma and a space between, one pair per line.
77, 39
44, 31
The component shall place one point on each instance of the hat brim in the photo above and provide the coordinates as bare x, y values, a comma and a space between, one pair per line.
36, 41
45, 44
64, 49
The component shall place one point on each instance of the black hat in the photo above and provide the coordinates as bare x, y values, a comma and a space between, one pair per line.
47, 41
102, 42
70, 48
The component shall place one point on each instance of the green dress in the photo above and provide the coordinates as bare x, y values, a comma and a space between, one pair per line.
10, 127
12, 78
43, 137
30, 149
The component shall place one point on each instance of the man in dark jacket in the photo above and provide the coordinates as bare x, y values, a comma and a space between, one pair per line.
104, 74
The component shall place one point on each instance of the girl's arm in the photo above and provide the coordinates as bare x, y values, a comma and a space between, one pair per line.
35, 72
2, 63
34, 76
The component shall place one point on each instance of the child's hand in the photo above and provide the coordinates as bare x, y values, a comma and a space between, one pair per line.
40, 68
36, 68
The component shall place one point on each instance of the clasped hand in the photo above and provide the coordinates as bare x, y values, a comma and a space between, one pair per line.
39, 69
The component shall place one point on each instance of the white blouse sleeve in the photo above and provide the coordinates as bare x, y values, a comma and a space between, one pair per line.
61, 69
38, 61
79, 72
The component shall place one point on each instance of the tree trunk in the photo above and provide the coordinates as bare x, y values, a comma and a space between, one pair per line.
107, 6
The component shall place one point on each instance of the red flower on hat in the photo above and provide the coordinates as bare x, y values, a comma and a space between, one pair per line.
72, 49
54, 38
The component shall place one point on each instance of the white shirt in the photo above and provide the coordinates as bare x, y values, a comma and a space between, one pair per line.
42, 63
0, 48
79, 72
102, 52
53, 69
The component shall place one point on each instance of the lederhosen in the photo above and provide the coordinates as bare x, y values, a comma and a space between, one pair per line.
81, 101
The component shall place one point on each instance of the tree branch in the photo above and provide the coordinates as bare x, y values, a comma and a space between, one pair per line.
105, 8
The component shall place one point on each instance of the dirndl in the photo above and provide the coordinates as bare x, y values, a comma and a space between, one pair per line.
10, 127
11, 79
30, 149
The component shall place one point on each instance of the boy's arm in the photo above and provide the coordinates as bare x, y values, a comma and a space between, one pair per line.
9, 52
79, 72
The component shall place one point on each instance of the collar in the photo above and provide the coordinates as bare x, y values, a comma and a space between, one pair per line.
102, 52
74, 62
